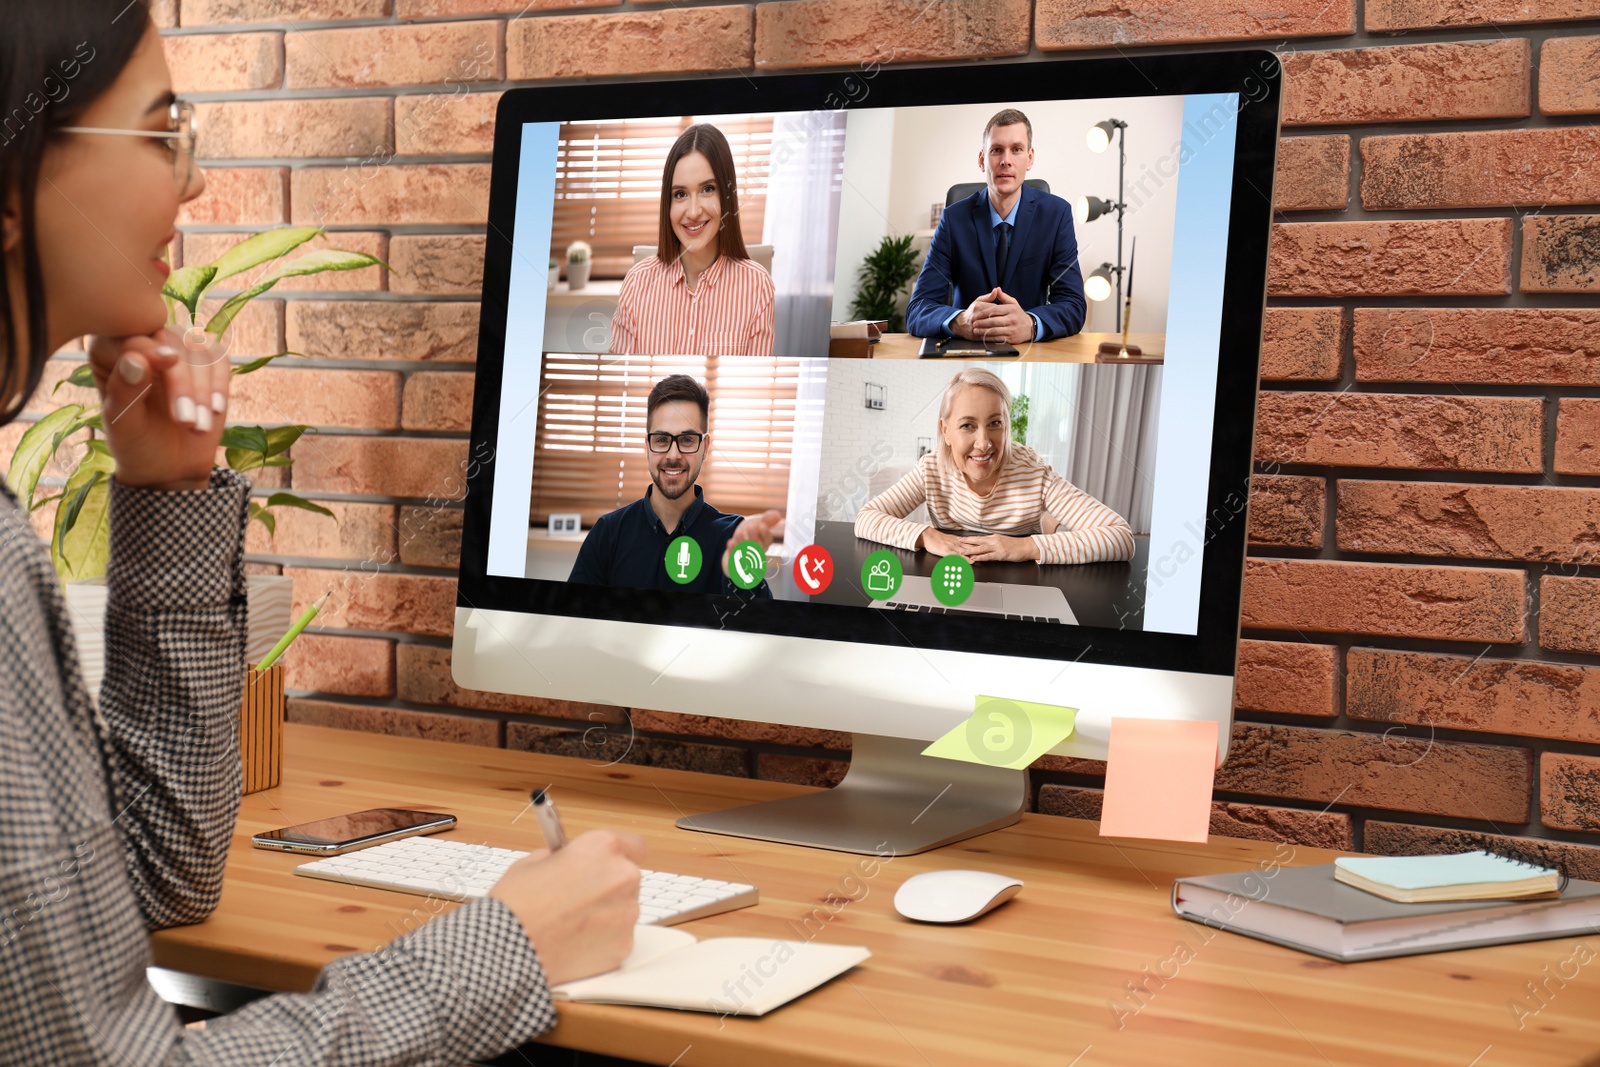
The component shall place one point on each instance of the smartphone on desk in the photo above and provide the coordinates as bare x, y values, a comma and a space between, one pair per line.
360, 829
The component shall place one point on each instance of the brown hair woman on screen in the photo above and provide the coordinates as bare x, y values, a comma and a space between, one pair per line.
700, 294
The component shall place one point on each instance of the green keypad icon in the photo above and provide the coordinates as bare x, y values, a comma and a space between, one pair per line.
952, 581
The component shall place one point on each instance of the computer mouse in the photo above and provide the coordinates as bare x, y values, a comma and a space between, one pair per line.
953, 896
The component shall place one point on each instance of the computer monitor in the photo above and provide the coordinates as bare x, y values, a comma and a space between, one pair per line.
715, 229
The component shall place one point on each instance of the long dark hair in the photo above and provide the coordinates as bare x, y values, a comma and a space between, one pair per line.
55, 59
709, 142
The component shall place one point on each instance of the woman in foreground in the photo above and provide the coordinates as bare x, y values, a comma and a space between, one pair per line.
118, 811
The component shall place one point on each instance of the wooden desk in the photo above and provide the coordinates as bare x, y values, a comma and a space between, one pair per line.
1031, 983
1079, 348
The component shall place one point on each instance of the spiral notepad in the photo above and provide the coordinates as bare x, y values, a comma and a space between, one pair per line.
1477, 875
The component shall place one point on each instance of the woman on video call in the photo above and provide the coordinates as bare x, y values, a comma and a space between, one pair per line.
978, 480
700, 294
120, 804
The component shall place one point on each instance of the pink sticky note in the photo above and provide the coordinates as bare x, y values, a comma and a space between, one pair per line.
1158, 779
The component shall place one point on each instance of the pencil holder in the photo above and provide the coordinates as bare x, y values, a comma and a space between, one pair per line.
261, 728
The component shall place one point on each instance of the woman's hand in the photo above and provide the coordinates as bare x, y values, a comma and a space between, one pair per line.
163, 404
941, 543
996, 548
578, 905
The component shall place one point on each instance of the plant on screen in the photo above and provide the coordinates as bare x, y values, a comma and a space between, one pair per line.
881, 279
80, 543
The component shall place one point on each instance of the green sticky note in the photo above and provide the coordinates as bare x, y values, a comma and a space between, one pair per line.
1005, 733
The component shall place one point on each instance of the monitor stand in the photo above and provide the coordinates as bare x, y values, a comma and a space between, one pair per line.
893, 801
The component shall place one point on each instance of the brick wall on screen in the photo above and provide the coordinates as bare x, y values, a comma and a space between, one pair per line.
1422, 604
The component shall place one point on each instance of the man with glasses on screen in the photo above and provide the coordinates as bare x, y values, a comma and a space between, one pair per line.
628, 547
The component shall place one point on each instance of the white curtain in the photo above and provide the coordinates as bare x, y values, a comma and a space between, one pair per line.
805, 462
802, 219
1113, 454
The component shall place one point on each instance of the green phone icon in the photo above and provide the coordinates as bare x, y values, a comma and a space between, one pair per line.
748, 565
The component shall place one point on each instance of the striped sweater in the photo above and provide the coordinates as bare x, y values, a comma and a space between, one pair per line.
1025, 489
727, 313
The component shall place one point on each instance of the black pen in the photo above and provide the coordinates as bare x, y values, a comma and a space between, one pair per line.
544, 810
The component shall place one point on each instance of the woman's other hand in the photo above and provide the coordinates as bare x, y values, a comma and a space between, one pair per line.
996, 548
942, 544
578, 905
163, 402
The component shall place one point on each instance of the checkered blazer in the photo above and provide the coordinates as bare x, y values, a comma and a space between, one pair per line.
115, 820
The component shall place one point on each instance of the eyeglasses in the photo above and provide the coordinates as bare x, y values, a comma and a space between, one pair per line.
688, 443
180, 138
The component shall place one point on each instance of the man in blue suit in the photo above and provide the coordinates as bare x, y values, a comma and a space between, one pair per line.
1008, 252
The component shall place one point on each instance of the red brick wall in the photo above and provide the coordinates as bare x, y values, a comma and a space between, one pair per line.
1422, 605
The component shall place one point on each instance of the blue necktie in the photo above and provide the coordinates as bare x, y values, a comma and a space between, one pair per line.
1002, 245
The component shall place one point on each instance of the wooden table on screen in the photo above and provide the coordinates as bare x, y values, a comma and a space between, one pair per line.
1079, 348
1038, 981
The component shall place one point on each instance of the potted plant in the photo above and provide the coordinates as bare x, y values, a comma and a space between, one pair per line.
80, 542
555, 275
578, 253
881, 280
1019, 419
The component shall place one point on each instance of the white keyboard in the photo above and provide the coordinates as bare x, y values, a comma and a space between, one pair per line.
459, 870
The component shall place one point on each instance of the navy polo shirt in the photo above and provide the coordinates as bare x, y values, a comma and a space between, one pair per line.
628, 548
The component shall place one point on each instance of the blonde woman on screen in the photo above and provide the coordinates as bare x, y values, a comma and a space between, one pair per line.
979, 480
700, 294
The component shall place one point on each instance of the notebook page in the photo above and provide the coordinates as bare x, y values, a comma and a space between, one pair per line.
725, 975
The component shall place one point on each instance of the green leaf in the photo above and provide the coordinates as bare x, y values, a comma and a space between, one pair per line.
82, 377
257, 364
186, 284
264, 517
310, 263
290, 500
82, 542
250, 447
38, 444
252, 438
279, 438
262, 248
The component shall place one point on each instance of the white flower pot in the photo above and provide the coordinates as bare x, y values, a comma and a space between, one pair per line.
578, 274
555, 277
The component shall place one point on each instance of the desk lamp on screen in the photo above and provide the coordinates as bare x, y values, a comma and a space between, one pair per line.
1041, 528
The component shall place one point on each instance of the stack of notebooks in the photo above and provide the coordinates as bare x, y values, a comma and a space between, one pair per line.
1369, 907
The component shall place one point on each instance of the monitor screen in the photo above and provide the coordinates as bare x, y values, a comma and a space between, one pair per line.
957, 360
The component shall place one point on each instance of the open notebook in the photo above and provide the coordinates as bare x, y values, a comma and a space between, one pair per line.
668, 968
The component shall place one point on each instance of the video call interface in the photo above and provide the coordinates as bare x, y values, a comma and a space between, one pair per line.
690, 403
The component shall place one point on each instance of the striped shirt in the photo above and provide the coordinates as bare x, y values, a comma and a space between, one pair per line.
1025, 489
727, 313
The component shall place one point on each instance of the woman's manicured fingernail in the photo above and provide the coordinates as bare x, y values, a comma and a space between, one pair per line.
219, 403
185, 409
166, 350
202, 419
132, 370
